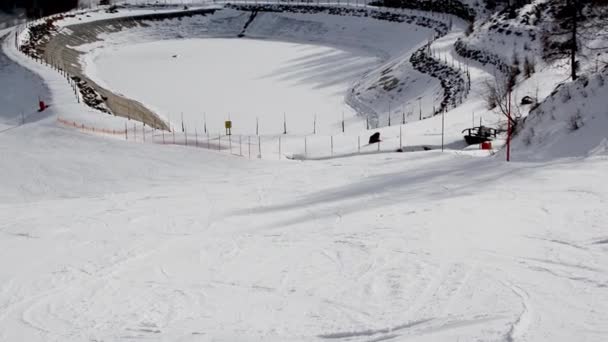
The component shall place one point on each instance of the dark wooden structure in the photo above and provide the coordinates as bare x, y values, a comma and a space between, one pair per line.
477, 135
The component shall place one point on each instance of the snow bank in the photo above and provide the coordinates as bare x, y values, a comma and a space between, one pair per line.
571, 122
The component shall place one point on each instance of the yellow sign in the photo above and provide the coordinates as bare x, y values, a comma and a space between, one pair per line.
228, 124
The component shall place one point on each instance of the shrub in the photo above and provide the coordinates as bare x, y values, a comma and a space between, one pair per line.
576, 122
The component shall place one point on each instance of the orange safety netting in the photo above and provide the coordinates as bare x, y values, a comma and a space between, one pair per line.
86, 128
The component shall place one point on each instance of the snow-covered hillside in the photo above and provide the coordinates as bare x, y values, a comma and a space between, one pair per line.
21, 90
514, 44
572, 122
104, 238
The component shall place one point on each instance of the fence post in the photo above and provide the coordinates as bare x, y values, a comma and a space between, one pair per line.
284, 124
208, 141
185, 134
400, 137
442, 128
249, 145
230, 142
240, 145
259, 148
173, 131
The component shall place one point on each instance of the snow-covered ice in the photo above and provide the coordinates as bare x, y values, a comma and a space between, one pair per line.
272, 79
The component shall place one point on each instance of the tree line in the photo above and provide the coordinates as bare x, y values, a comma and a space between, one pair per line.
38, 8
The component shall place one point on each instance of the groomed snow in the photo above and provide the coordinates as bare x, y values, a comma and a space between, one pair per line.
104, 240
240, 79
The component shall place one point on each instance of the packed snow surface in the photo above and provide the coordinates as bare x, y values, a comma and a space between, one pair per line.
237, 79
107, 240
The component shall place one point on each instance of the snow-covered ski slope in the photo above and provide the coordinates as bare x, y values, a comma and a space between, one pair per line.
107, 240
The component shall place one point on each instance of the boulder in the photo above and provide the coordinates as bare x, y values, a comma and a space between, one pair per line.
374, 138
526, 100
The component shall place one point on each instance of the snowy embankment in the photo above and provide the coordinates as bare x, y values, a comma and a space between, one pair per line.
571, 122
21, 90
106, 240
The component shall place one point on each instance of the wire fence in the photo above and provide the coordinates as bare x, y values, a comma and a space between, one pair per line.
270, 147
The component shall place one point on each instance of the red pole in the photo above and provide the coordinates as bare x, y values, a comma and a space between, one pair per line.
509, 129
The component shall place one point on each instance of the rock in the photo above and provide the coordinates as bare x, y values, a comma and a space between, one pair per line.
526, 100
374, 138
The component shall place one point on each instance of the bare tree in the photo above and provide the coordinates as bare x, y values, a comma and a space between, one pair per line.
497, 99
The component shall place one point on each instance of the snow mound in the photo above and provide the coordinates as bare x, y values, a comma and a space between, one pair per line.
571, 122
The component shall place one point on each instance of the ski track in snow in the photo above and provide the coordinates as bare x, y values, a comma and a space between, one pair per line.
106, 240
519, 327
